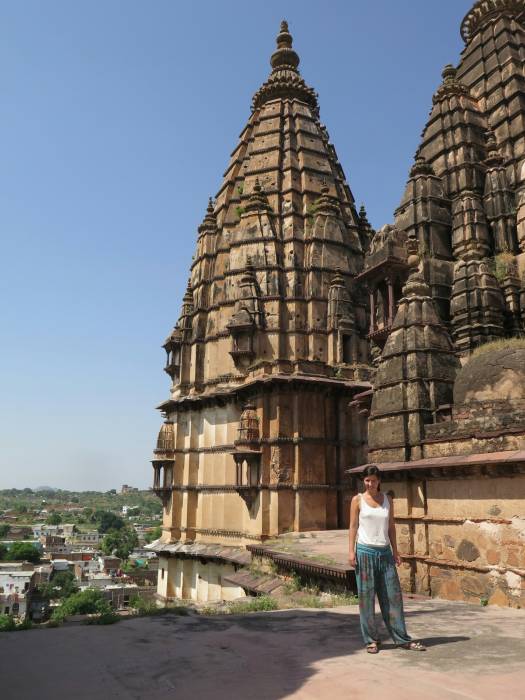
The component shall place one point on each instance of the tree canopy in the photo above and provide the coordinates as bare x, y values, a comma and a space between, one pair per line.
54, 519
23, 551
62, 585
120, 542
82, 603
106, 521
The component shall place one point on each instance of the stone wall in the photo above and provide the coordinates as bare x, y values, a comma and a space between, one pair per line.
462, 537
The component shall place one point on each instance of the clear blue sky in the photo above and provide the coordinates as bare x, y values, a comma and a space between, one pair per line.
117, 118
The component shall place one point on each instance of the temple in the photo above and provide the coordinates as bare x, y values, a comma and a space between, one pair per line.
446, 418
270, 347
309, 344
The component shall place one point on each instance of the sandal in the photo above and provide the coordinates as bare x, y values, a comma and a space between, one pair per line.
372, 648
413, 646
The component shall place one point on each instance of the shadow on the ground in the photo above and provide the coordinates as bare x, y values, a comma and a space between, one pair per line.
263, 656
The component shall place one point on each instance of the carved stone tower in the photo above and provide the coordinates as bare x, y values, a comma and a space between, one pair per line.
465, 199
270, 346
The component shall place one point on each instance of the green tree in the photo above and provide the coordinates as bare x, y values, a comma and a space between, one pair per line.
4, 529
83, 603
54, 519
3, 551
23, 551
120, 542
62, 585
106, 521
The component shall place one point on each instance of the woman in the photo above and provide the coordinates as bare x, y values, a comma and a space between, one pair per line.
373, 554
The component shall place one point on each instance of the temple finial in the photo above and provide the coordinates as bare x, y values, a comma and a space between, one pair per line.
188, 294
284, 54
449, 72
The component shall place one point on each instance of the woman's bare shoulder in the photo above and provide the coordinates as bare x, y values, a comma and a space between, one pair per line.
356, 499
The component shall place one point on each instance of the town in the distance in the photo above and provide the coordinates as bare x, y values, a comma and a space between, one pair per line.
64, 553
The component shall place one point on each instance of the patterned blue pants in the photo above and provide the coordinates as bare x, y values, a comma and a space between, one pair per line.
376, 574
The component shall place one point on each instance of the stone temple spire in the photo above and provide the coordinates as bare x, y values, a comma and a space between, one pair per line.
273, 296
415, 375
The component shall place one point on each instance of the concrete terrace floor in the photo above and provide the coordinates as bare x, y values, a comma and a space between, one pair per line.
473, 652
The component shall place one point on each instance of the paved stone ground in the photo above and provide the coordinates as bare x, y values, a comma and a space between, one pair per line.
473, 652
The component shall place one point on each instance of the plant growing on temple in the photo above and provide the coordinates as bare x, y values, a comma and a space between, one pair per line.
503, 264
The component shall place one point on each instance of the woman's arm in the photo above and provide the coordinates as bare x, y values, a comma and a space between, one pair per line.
392, 532
352, 532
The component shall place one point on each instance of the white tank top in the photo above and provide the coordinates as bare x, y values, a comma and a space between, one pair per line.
373, 523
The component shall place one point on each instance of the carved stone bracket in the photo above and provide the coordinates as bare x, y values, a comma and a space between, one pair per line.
248, 494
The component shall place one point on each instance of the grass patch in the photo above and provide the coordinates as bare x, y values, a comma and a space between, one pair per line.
105, 618
311, 601
339, 599
9, 624
146, 607
495, 345
294, 584
263, 603
262, 567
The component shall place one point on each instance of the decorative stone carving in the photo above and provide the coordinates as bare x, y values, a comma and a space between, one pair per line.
486, 10
498, 201
476, 306
280, 469
416, 373
247, 318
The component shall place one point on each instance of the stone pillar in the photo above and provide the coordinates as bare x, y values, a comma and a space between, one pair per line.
372, 310
391, 309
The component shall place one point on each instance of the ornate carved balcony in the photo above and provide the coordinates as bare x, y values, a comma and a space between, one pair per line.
163, 479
